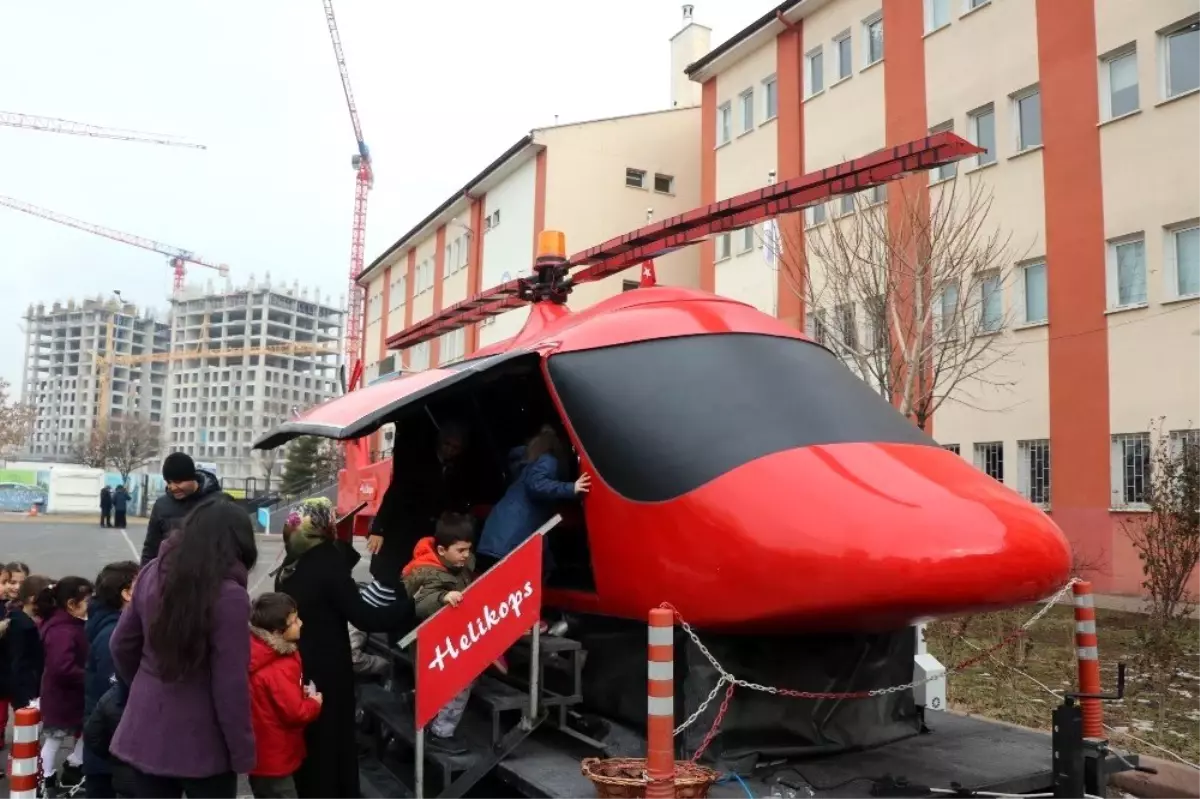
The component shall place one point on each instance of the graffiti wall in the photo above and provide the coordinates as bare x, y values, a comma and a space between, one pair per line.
21, 488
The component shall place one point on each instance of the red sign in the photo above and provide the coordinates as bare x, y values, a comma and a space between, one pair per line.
456, 645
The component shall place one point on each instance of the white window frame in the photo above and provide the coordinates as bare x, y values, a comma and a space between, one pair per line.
746, 107
940, 315
1023, 291
867, 24
1164, 56
973, 118
945, 171
1105, 80
724, 247
418, 357
981, 287
979, 457
1171, 256
844, 36
1016, 98
1028, 476
747, 243
931, 7
770, 89
724, 123
634, 178
816, 54
670, 183
1117, 468
812, 213
972, 5
1114, 290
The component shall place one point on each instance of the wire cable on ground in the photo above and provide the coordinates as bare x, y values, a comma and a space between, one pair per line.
1057, 694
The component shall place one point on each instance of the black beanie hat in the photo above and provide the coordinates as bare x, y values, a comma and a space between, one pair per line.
179, 468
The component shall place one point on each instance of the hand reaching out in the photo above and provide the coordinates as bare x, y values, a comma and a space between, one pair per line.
583, 484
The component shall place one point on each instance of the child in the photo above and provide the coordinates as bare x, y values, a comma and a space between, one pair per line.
280, 706
63, 608
98, 733
441, 569
114, 591
25, 656
5, 691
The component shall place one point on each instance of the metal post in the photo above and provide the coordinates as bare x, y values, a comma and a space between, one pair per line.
419, 754
660, 708
1089, 659
535, 662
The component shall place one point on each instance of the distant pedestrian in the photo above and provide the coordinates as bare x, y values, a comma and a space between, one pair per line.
120, 503
106, 506
186, 487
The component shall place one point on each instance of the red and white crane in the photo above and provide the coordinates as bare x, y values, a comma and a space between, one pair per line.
178, 258
361, 161
11, 119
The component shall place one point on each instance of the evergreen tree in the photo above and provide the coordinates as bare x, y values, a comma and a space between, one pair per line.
299, 468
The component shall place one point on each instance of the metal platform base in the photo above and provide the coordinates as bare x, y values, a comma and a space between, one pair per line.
977, 753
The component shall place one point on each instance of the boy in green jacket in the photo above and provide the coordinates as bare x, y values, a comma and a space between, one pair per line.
441, 569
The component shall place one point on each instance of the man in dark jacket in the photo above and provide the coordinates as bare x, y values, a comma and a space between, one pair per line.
425, 484
120, 504
106, 506
187, 486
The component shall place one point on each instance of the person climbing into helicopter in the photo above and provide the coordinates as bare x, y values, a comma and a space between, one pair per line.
425, 484
535, 473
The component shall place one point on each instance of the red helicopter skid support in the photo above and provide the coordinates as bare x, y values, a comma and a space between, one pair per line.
659, 238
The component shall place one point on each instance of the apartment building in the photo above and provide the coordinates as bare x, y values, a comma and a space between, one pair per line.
592, 180
1089, 112
66, 371
243, 360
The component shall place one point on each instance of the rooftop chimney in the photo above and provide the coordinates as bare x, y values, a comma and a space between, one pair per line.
688, 46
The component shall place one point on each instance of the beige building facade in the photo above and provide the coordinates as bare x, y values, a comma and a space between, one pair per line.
1089, 111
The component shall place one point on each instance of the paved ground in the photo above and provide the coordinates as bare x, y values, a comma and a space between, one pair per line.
58, 547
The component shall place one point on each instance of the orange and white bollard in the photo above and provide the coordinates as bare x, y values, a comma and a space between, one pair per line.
660, 709
1088, 654
24, 762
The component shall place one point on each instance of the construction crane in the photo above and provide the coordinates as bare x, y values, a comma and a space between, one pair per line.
178, 258
12, 119
361, 162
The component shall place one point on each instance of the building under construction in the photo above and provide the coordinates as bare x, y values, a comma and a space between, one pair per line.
241, 361
65, 357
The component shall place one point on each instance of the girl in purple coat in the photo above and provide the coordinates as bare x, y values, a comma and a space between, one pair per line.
63, 610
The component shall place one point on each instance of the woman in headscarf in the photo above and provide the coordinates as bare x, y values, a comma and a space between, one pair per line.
316, 573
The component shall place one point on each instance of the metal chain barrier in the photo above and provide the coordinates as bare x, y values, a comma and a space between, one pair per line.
730, 682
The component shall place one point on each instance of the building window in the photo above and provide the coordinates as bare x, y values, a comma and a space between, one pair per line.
1034, 476
747, 239
635, 178
1183, 259
814, 214
1181, 58
983, 133
723, 246
629, 285
873, 34
1119, 84
1179, 440
947, 309
664, 184
877, 194
846, 204
1033, 284
452, 347
1130, 469
937, 14
945, 171
814, 72
724, 123
819, 328
770, 98
418, 356
845, 57
746, 101
991, 303
952, 448
1027, 110
989, 457
847, 326
1127, 271
971, 5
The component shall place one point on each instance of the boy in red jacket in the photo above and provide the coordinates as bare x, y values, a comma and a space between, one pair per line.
281, 706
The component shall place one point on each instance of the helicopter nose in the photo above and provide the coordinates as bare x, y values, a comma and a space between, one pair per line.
884, 535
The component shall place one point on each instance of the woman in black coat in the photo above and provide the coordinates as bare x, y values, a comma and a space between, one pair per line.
316, 574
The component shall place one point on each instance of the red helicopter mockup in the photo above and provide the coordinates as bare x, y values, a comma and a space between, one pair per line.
741, 471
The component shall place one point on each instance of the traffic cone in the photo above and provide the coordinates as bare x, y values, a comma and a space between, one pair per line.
24, 762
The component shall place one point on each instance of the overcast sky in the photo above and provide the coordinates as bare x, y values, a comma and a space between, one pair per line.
442, 89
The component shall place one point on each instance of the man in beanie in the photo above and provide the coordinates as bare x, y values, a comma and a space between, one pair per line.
186, 487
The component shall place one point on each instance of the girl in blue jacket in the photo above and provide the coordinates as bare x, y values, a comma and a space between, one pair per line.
529, 501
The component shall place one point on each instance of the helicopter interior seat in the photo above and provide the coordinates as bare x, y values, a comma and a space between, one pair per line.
500, 413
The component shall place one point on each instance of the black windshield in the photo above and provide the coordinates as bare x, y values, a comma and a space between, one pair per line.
660, 418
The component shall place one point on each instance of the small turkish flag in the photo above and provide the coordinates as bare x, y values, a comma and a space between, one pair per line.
649, 278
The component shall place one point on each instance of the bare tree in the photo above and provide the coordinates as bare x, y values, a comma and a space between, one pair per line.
134, 441
910, 295
92, 449
16, 421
